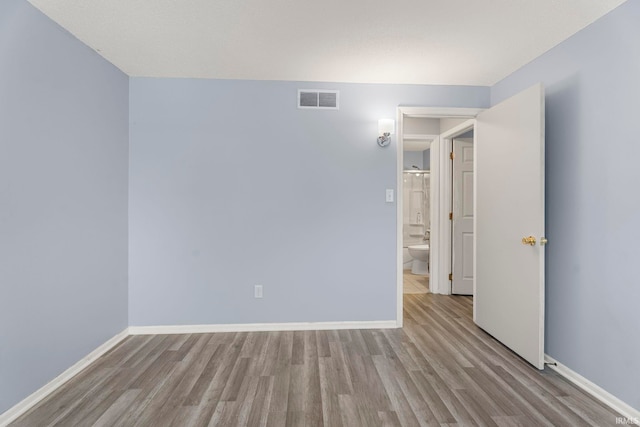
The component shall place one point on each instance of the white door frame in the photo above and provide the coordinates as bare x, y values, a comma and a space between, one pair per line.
440, 193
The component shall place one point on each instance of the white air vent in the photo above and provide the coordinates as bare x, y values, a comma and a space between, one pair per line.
319, 99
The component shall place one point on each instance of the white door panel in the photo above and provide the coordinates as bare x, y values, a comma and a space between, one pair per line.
462, 226
509, 171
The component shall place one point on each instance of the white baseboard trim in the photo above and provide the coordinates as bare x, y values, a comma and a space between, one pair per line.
31, 400
259, 327
625, 410
27, 403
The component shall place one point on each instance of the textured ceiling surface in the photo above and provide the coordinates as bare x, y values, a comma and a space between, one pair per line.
466, 42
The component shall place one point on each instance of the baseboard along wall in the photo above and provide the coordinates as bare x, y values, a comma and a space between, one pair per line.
44, 391
625, 410
40, 394
631, 414
259, 327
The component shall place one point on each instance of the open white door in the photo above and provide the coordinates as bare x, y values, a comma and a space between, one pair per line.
462, 221
509, 173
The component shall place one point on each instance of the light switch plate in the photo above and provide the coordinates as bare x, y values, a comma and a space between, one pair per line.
389, 195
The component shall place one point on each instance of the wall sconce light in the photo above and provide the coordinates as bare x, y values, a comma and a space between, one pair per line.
385, 128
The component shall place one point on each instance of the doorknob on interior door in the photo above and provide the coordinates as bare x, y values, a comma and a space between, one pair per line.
531, 241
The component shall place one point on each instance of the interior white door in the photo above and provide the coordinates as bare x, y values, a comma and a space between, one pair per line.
509, 172
462, 221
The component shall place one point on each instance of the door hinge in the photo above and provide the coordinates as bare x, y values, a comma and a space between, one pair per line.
450, 276
450, 216
451, 155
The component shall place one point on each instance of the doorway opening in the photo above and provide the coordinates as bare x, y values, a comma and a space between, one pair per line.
429, 132
418, 134
508, 203
416, 220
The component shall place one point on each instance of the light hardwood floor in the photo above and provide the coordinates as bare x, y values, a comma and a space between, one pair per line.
439, 370
414, 284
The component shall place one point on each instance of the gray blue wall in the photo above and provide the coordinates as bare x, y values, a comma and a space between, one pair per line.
593, 204
231, 185
63, 201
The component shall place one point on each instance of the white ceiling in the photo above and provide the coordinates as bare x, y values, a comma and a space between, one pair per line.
466, 42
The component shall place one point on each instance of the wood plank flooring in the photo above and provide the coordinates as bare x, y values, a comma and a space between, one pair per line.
439, 370
414, 284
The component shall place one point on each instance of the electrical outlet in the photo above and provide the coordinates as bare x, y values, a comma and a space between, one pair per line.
257, 291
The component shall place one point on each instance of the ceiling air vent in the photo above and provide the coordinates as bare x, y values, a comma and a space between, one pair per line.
319, 99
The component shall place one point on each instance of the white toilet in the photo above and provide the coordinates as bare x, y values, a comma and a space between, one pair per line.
420, 255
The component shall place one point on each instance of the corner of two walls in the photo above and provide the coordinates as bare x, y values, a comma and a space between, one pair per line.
592, 202
63, 201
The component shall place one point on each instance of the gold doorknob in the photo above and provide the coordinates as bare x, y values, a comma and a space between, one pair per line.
529, 241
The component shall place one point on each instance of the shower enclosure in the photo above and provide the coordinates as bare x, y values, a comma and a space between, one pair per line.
416, 211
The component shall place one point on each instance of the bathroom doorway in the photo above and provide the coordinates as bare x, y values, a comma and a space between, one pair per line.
416, 214
415, 198
421, 130
455, 252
